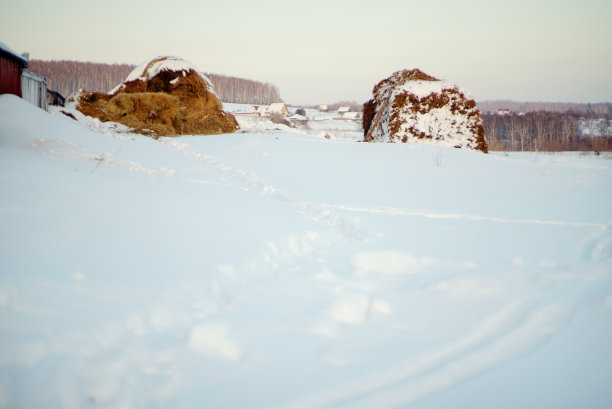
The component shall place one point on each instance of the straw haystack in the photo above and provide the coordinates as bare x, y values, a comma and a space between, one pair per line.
166, 96
411, 106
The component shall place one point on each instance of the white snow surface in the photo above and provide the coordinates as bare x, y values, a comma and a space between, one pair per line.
275, 269
168, 63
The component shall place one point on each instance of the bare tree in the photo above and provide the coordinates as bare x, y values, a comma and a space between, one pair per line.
540, 124
523, 128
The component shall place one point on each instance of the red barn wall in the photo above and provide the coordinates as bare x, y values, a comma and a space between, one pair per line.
10, 76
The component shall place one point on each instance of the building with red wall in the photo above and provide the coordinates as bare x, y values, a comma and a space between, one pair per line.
11, 66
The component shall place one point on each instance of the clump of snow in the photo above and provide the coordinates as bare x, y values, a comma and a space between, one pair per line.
388, 262
355, 309
349, 308
8, 297
212, 339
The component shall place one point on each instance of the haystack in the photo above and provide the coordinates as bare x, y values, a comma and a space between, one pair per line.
411, 106
165, 96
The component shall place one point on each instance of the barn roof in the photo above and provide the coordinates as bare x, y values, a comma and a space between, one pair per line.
4, 49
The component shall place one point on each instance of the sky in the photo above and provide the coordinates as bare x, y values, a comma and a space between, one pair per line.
324, 51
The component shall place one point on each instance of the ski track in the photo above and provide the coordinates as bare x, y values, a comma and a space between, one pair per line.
286, 251
252, 182
283, 253
499, 337
390, 211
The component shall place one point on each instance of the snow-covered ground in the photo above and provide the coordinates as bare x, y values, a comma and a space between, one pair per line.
277, 269
328, 125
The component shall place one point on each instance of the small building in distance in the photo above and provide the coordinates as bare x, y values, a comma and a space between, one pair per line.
261, 110
323, 107
351, 115
343, 110
298, 118
279, 108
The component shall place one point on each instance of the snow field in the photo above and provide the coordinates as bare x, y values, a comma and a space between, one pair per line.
278, 269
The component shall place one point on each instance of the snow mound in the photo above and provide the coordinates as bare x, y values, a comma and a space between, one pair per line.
165, 96
411, 106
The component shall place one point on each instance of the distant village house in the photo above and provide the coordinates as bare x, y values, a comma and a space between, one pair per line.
261, 110
298, 118
279, 108
351, 115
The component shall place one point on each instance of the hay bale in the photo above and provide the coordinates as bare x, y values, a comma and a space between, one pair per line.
160, 112
91, 103
163, 97
411, 106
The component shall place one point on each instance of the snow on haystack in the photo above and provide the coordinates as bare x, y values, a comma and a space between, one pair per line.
411, 106
164, 96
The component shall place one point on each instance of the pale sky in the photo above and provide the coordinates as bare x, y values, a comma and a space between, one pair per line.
323, 51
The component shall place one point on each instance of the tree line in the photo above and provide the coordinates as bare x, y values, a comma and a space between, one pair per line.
561, 107
548, 131
244, 91
66, 77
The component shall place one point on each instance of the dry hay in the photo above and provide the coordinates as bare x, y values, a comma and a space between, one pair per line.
170, 103
413, 106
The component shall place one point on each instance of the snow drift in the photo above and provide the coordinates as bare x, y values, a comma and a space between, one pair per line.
165, 96
272, 269
411, 106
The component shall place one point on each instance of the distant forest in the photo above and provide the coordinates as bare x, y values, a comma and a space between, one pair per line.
243, 91
548, 131
67, 76
600, 109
